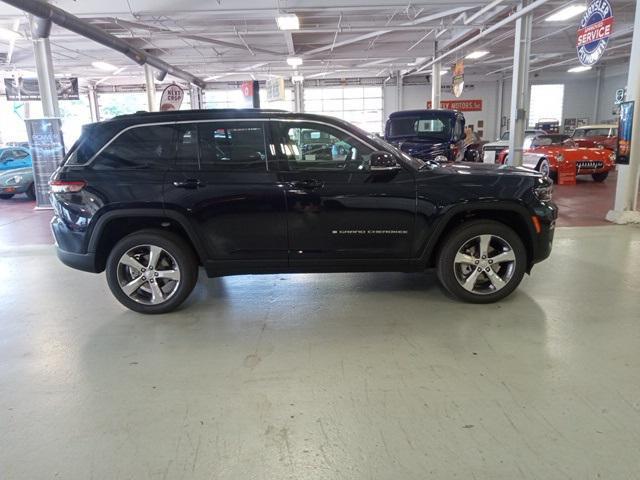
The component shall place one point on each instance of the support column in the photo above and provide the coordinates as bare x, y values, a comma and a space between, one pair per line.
298, 97
436, 92
40, 30
93, 104
150, 87
399, 91
195, 96
500, 99
520, 86
626, 202
596, 104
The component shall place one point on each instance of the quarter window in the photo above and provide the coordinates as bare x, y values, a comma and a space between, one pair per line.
144, 147
310, 146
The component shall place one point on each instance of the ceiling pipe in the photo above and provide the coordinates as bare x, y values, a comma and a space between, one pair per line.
528, 9
71, 22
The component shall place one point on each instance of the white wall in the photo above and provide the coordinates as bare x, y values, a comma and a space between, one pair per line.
579, 96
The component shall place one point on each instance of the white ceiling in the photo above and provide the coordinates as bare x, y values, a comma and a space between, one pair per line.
234, 40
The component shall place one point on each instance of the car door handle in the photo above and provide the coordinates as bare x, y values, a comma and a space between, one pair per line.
191, 183
306, 184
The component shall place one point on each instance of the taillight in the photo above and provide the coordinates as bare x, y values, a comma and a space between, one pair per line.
454, 150
62, 186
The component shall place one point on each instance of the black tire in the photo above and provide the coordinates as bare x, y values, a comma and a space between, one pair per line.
6, 196
179, 251
448, 271
599, 177
31, 192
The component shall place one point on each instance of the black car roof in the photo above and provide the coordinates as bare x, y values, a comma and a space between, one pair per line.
412, 113
122, 121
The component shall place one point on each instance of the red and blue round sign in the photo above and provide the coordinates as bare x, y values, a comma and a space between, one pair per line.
594, 32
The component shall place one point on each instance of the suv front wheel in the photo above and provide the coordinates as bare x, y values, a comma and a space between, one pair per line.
481, 261
151, 271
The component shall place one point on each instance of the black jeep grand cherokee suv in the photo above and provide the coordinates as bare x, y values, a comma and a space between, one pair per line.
151, 196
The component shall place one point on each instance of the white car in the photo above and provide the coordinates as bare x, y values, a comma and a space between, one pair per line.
491, 150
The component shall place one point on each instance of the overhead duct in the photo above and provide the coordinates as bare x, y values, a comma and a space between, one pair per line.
79, 26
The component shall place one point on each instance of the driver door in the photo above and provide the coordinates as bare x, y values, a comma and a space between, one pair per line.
338, 210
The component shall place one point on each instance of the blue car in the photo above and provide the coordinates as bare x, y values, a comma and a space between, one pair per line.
14, 157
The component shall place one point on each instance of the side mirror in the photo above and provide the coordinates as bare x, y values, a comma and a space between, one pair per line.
382, 160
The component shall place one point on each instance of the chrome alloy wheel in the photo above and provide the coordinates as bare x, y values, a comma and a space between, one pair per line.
484, 264
148, 274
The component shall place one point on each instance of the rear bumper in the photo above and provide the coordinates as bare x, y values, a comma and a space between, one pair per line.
69, 247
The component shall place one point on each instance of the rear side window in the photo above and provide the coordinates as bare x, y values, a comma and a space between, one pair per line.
222, 146
139, 148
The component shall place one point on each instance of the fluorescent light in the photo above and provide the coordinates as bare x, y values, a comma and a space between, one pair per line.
7, 34
444, 72
477, 54
582, 68
107, 67
294, 61
566, 13
297, 79
288, 21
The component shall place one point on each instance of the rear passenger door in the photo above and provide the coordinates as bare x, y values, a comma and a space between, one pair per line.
224, 183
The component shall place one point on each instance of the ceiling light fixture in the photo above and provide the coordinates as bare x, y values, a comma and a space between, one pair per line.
294, 61
566, 13
289, 21
581, 68
444, 72
7, 34
477, 54
104, 66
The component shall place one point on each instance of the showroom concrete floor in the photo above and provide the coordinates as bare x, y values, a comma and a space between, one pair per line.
350, 376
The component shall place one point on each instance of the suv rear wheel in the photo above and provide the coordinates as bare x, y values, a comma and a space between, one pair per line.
481, 261
151, 271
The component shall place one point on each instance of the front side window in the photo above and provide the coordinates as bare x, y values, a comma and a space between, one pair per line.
310, 146
139, 148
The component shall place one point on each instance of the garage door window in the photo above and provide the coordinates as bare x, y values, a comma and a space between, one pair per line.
545, 103
362, 106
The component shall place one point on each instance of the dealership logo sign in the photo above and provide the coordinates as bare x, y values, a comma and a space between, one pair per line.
171, 99
594, 32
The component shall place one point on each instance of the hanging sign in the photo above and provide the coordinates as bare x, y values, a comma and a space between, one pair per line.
625, 130
595, 29
250, 94
275, 89
28, 89
172, 98
458, 78
47, 151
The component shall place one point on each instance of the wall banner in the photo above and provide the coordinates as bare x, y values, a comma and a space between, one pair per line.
457, 85
28, 89
625, 130
275, 89
47, 151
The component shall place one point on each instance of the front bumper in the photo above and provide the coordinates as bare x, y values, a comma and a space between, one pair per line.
547, 213
13, 189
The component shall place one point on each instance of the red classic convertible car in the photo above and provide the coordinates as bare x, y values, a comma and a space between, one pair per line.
595, 136
546, 153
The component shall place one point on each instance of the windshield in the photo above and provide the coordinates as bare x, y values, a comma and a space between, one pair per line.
426, 125
591, 132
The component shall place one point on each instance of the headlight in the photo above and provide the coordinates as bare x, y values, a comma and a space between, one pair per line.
544, 190
441, 158
560, 158
13, 180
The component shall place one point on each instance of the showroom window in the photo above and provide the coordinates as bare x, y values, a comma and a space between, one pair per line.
362, 106
232, 98
545, 103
